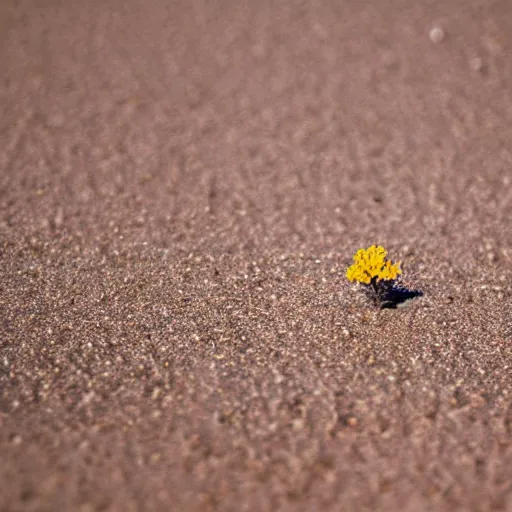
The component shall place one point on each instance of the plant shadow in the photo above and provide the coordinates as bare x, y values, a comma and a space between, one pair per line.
396, 296
389, 295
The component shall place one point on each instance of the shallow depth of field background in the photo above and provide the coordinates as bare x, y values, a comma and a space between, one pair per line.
182, 187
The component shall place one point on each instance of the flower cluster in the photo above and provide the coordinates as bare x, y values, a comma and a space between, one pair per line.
379, 275
370, 266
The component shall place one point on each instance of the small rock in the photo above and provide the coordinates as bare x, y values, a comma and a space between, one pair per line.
352, 421
155, 457
436, 35
476, 64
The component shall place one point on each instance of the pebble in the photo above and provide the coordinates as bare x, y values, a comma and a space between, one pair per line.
352, 421
155, 457
436, 35
17, 440
476, 64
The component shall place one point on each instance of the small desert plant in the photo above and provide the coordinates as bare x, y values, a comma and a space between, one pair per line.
379, 275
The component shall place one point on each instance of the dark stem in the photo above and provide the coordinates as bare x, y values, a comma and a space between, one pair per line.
373, 283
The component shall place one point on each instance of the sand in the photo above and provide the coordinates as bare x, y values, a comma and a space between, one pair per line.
182, 187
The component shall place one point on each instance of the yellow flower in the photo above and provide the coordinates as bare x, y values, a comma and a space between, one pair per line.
371, 264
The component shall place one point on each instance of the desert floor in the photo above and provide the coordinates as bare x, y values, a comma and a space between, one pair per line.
182, 187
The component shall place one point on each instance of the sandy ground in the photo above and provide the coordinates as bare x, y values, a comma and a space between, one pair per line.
182, 187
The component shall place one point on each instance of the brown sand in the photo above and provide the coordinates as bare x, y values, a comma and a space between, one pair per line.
182, 187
